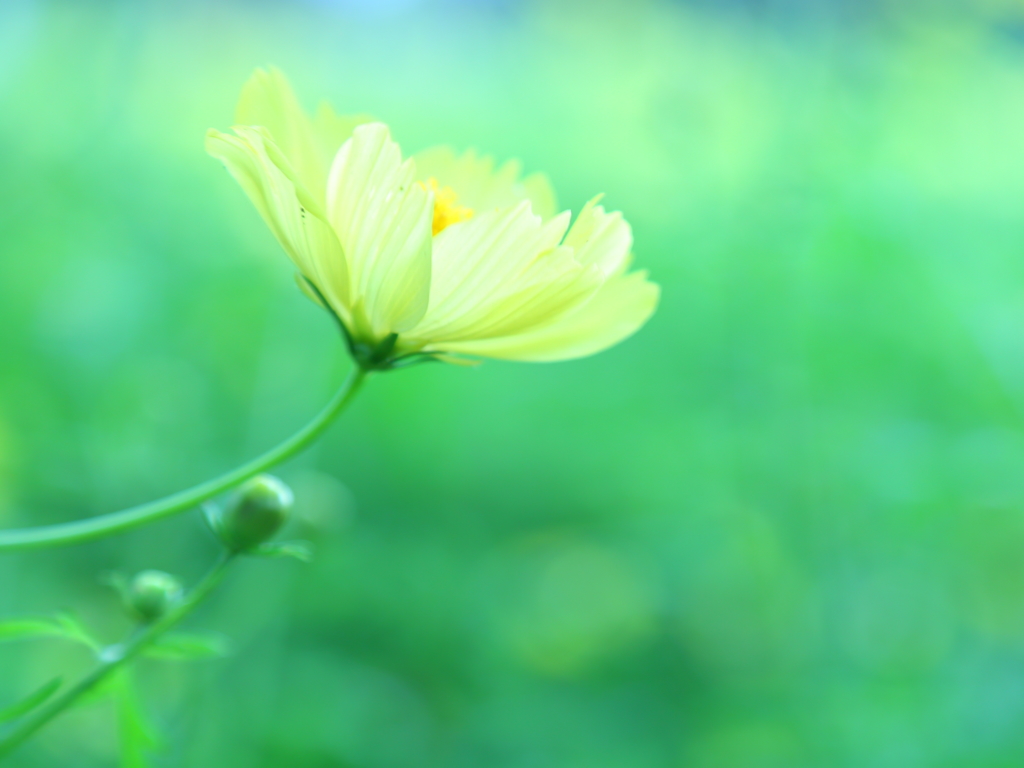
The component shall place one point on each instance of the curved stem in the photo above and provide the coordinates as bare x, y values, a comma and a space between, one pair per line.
114, 657
115, 522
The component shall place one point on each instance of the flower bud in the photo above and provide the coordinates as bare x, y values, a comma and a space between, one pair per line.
255, 512
151, 594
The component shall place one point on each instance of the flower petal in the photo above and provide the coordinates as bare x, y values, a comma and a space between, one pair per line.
481, 186
617, 311
332, 130
267, 99
293, 215
599, 238
383, 219
500, 273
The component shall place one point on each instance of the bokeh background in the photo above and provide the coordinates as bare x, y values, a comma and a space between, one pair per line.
781, 527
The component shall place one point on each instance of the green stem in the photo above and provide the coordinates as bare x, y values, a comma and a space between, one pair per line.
115, 657
115, 522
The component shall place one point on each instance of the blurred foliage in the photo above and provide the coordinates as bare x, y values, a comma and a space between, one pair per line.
782, 526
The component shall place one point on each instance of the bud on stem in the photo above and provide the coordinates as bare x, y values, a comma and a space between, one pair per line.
151, 594
254, 513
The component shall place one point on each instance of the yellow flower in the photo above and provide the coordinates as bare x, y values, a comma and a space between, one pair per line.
435, 255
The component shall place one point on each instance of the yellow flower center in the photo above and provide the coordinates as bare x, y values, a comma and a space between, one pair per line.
446, 208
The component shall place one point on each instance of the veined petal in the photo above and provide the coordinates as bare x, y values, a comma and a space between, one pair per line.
383, 220
502, 272
553, 285
541, 194
620, 308
267, 100
483, 186
332, 130
293, 215
600, 239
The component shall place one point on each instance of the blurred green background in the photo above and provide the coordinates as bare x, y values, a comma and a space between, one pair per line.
783, 526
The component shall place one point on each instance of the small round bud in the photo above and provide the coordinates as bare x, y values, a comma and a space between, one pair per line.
151, 594
255, 512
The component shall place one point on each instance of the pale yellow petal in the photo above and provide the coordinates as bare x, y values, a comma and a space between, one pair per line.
268, 100
601, 239
464, 362
332, 130
617, 311
502, 272
483, 186
541, 194
293, 215
554, 285
383, 219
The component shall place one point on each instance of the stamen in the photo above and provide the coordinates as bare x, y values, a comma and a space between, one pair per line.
446, 209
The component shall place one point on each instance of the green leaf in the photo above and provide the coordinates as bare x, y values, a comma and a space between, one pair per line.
30, 702
64, 626
300, 550
74, 630
136, 734
18, 629
187, 646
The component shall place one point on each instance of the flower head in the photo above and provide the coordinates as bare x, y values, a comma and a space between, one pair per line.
438, 255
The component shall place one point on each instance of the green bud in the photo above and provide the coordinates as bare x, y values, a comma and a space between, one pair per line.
255, 512
151, 594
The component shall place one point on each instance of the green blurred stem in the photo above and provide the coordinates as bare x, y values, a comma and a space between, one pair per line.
115, 522
115, 657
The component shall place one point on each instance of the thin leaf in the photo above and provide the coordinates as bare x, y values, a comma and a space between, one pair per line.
18, 629
136, 734
76, 631
188, 646
30, 702
64, 626
300, 550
